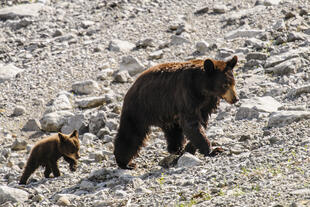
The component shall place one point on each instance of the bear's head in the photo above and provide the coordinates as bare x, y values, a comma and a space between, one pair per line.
221, 81
69, 144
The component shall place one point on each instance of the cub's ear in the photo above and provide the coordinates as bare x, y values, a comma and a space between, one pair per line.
208, 66
61, 137
75, 133
231, 63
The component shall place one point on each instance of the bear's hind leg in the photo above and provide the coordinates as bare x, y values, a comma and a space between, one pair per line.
47, 171
128, 141
175, 138
31, 166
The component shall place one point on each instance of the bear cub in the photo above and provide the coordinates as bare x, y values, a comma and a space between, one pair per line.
179, 98
46, 153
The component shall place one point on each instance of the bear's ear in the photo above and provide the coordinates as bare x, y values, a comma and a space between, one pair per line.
208, 66
231, 63
75, 133
61, 137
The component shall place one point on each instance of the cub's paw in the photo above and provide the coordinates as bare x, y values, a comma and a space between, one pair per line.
129, 166
216, 151
73, 168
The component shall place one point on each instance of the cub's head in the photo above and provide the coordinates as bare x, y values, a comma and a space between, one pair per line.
221, 81
70, 144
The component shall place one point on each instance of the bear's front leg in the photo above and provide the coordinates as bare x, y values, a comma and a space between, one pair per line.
195, 132
72, 162
55, 169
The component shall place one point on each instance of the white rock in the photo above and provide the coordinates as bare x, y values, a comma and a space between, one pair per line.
131, 64
85, 87
12, 194
78, 122
298, 91
156, 55
120, 45
88, 138
261, 104
178, 40
279, 25
271, 2
283, 118
188, 160
60, 103
8, 72
120, 193
242, 34
19, 110
122, 76
105, 74
97, 121
219, 9
53, 122
22, 10
90, 102
87, 185
286, 67
202, 47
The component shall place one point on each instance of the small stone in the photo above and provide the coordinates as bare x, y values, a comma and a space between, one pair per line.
122, 77
90, 102
32, 125
19, 144
156, 55
202, 47
87, 185
63, 201
256, 56
148, 42
220, 9
169, 161
244, 138
105, 74
201, 11
121, 46
131, 64
85, 87
18, 111
274, 140
178, 40
9, 72
188, 160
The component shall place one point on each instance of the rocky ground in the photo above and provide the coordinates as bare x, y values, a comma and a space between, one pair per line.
66, 65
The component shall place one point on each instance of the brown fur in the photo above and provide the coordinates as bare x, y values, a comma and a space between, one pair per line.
178, 98
46, 153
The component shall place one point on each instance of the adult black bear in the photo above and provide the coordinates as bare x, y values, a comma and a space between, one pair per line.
178, 98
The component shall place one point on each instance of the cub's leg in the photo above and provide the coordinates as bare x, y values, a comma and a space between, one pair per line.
54, 167
31, 166
48, 170
72, 162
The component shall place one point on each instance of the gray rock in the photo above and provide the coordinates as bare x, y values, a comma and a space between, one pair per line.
8, 72
105, 74
52, 122
85, 87
121, 46
22, 10
294, 36
279, 25
255, 43
122, 77
148, 42
241, 14
87, 185
256, 56
246, 113
78, 122
66, 37
188, 160
283, 118
12, 194
88, 138
262, 104
298, 91
32, 125
202, 47
19, 110
90, 102
271, 2
19, 144
60, 103
156, 55
202, 11
97, 121
85, 24
277, 59
243, 34
131, 64
286, 67
178, 40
